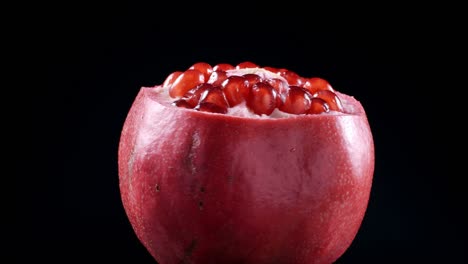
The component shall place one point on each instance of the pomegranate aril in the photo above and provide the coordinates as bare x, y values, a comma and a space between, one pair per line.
271, 69
182, 103
171, 78
223, 67
193, 95
292, 77
186, 81
215, 96
297, 101
211, 108
217, 77
252, 78
246, 64
280, 86
202, 67
318, 106
262, 99
315, 84
331, 98
236, 90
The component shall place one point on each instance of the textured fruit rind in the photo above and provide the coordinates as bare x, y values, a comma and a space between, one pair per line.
209, 188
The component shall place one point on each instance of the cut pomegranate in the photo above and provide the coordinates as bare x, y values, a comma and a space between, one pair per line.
246, 82
245, 164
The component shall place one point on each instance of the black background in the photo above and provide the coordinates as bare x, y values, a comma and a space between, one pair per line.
98, 57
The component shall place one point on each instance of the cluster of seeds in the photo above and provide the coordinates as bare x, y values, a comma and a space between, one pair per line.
216, 89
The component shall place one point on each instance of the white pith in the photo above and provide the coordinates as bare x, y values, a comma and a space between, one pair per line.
265, 74
242, 110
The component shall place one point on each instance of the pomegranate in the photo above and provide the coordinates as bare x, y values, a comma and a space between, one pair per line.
245, 164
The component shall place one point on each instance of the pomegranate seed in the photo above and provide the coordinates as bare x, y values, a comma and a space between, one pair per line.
193, 96
223, 67
246, 64
211, 108
186, 81
215, 96
318, 106
271, 69
280, 86
331, 98
297, 101
202, 67
252, 78
217, 77
315, 84
171, 78
301, 81
292, 77
182, 103
236, 90
262, 99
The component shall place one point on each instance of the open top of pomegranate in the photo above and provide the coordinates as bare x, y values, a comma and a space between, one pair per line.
248, 90
245, 164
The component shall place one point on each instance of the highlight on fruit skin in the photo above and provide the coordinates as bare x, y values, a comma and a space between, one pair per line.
221, 87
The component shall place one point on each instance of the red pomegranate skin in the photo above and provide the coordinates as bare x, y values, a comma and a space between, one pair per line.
212, 188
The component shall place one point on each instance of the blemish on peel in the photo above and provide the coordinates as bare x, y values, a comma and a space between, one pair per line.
189, 251
194, 145
130, 163
131, 160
